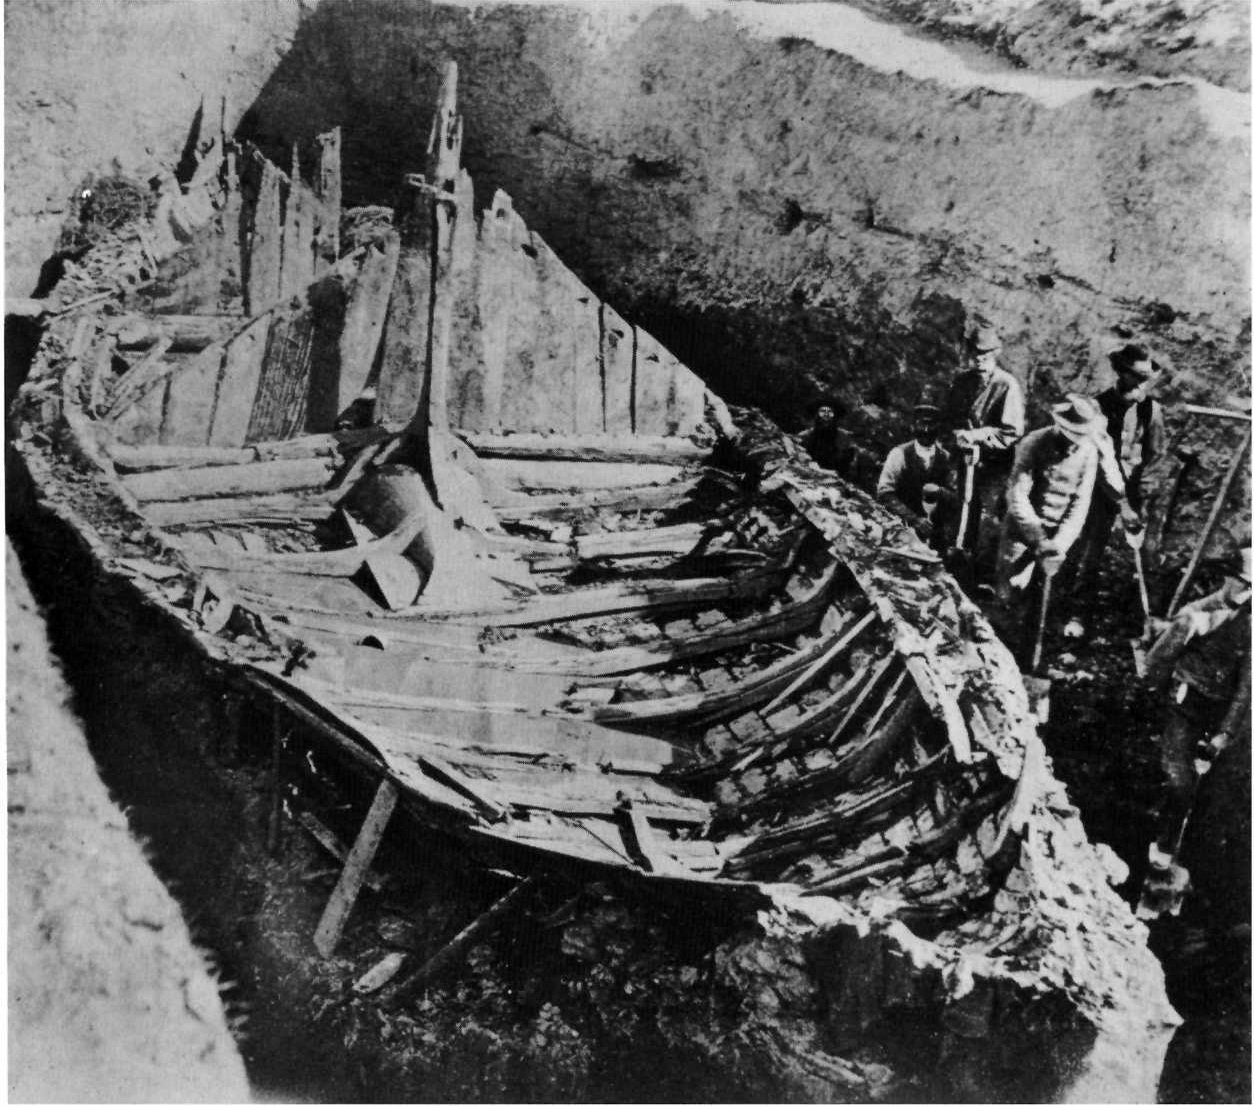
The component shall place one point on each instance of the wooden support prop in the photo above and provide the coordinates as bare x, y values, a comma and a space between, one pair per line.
334, 918
461, 944
1221, 498
824, 659
333, 845
871, 685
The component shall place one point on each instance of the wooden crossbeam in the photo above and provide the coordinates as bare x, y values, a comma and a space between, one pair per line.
335, 916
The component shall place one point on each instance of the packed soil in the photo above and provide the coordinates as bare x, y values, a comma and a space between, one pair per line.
109, 1001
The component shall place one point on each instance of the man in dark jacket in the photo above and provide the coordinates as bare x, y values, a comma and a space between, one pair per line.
985, 412
917, 480
1201, 660
1134, 423
833, 448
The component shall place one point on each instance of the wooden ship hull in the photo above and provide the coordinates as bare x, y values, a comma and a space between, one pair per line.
492, 547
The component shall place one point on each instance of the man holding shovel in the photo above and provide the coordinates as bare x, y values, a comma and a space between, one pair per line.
1134, 423
985, 411
1201, 661
1056, 470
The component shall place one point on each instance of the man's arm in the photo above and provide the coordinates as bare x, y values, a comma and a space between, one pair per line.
887, 484
1072, 520
1019, 494
1006, 420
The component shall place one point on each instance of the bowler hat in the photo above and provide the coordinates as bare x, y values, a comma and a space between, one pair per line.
1079, 418
1134, 360
926, 412
984, 339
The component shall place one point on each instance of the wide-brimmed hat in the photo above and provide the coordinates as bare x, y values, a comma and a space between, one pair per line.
1079, 418
983, 339
1135, 361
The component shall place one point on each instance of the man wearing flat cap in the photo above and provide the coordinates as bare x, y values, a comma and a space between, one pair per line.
917, 480
985, 412
1052, 481
1134, 423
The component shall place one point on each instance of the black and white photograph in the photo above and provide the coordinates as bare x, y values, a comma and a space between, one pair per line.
586, 551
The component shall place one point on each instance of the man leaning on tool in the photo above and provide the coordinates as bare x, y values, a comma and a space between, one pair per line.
1052, 482
985, 411
1202, 659
917, 480
1134, 423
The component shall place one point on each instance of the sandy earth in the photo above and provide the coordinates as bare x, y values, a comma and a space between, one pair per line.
108, 999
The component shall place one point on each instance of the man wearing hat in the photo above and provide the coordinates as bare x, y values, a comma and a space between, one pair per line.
985, 411
917, 480
1134, 422
1052, 481
832, 447
1201, 659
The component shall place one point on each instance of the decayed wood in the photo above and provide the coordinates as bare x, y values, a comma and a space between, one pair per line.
226, 480
381, 974
766, 626
619, 598
459, 945
587, 447
127, 387
184, 333
527, 474
334, 846
618, 358
640, 840
265, 247
566, 504
748, 693
364, 319
654, 541
335, 916
329, 192
278, 508
319, 562
841, 642
872, 685
237, 383
149, 458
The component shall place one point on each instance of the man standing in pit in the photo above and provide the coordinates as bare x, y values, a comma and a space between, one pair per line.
1052, 481
1134, 422
832, 447
1201, 661
917, 480
985, 412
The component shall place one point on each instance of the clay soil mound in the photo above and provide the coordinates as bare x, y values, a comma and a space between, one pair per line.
108, 999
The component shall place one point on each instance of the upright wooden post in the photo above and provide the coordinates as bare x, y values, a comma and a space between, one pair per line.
334, 918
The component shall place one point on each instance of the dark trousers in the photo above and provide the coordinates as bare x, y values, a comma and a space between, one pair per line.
1190, 718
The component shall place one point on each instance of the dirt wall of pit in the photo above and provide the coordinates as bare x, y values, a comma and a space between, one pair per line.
108, 999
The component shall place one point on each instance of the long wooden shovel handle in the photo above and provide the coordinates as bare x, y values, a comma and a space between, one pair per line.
968, 494
1204, 537
1047, 583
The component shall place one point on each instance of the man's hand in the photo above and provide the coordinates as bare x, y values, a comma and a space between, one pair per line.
1132, 521
1050, 555
924, 528
965, 441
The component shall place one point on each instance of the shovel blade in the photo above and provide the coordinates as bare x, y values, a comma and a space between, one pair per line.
1038, 697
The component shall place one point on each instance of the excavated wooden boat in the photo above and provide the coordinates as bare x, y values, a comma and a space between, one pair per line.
409, 480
